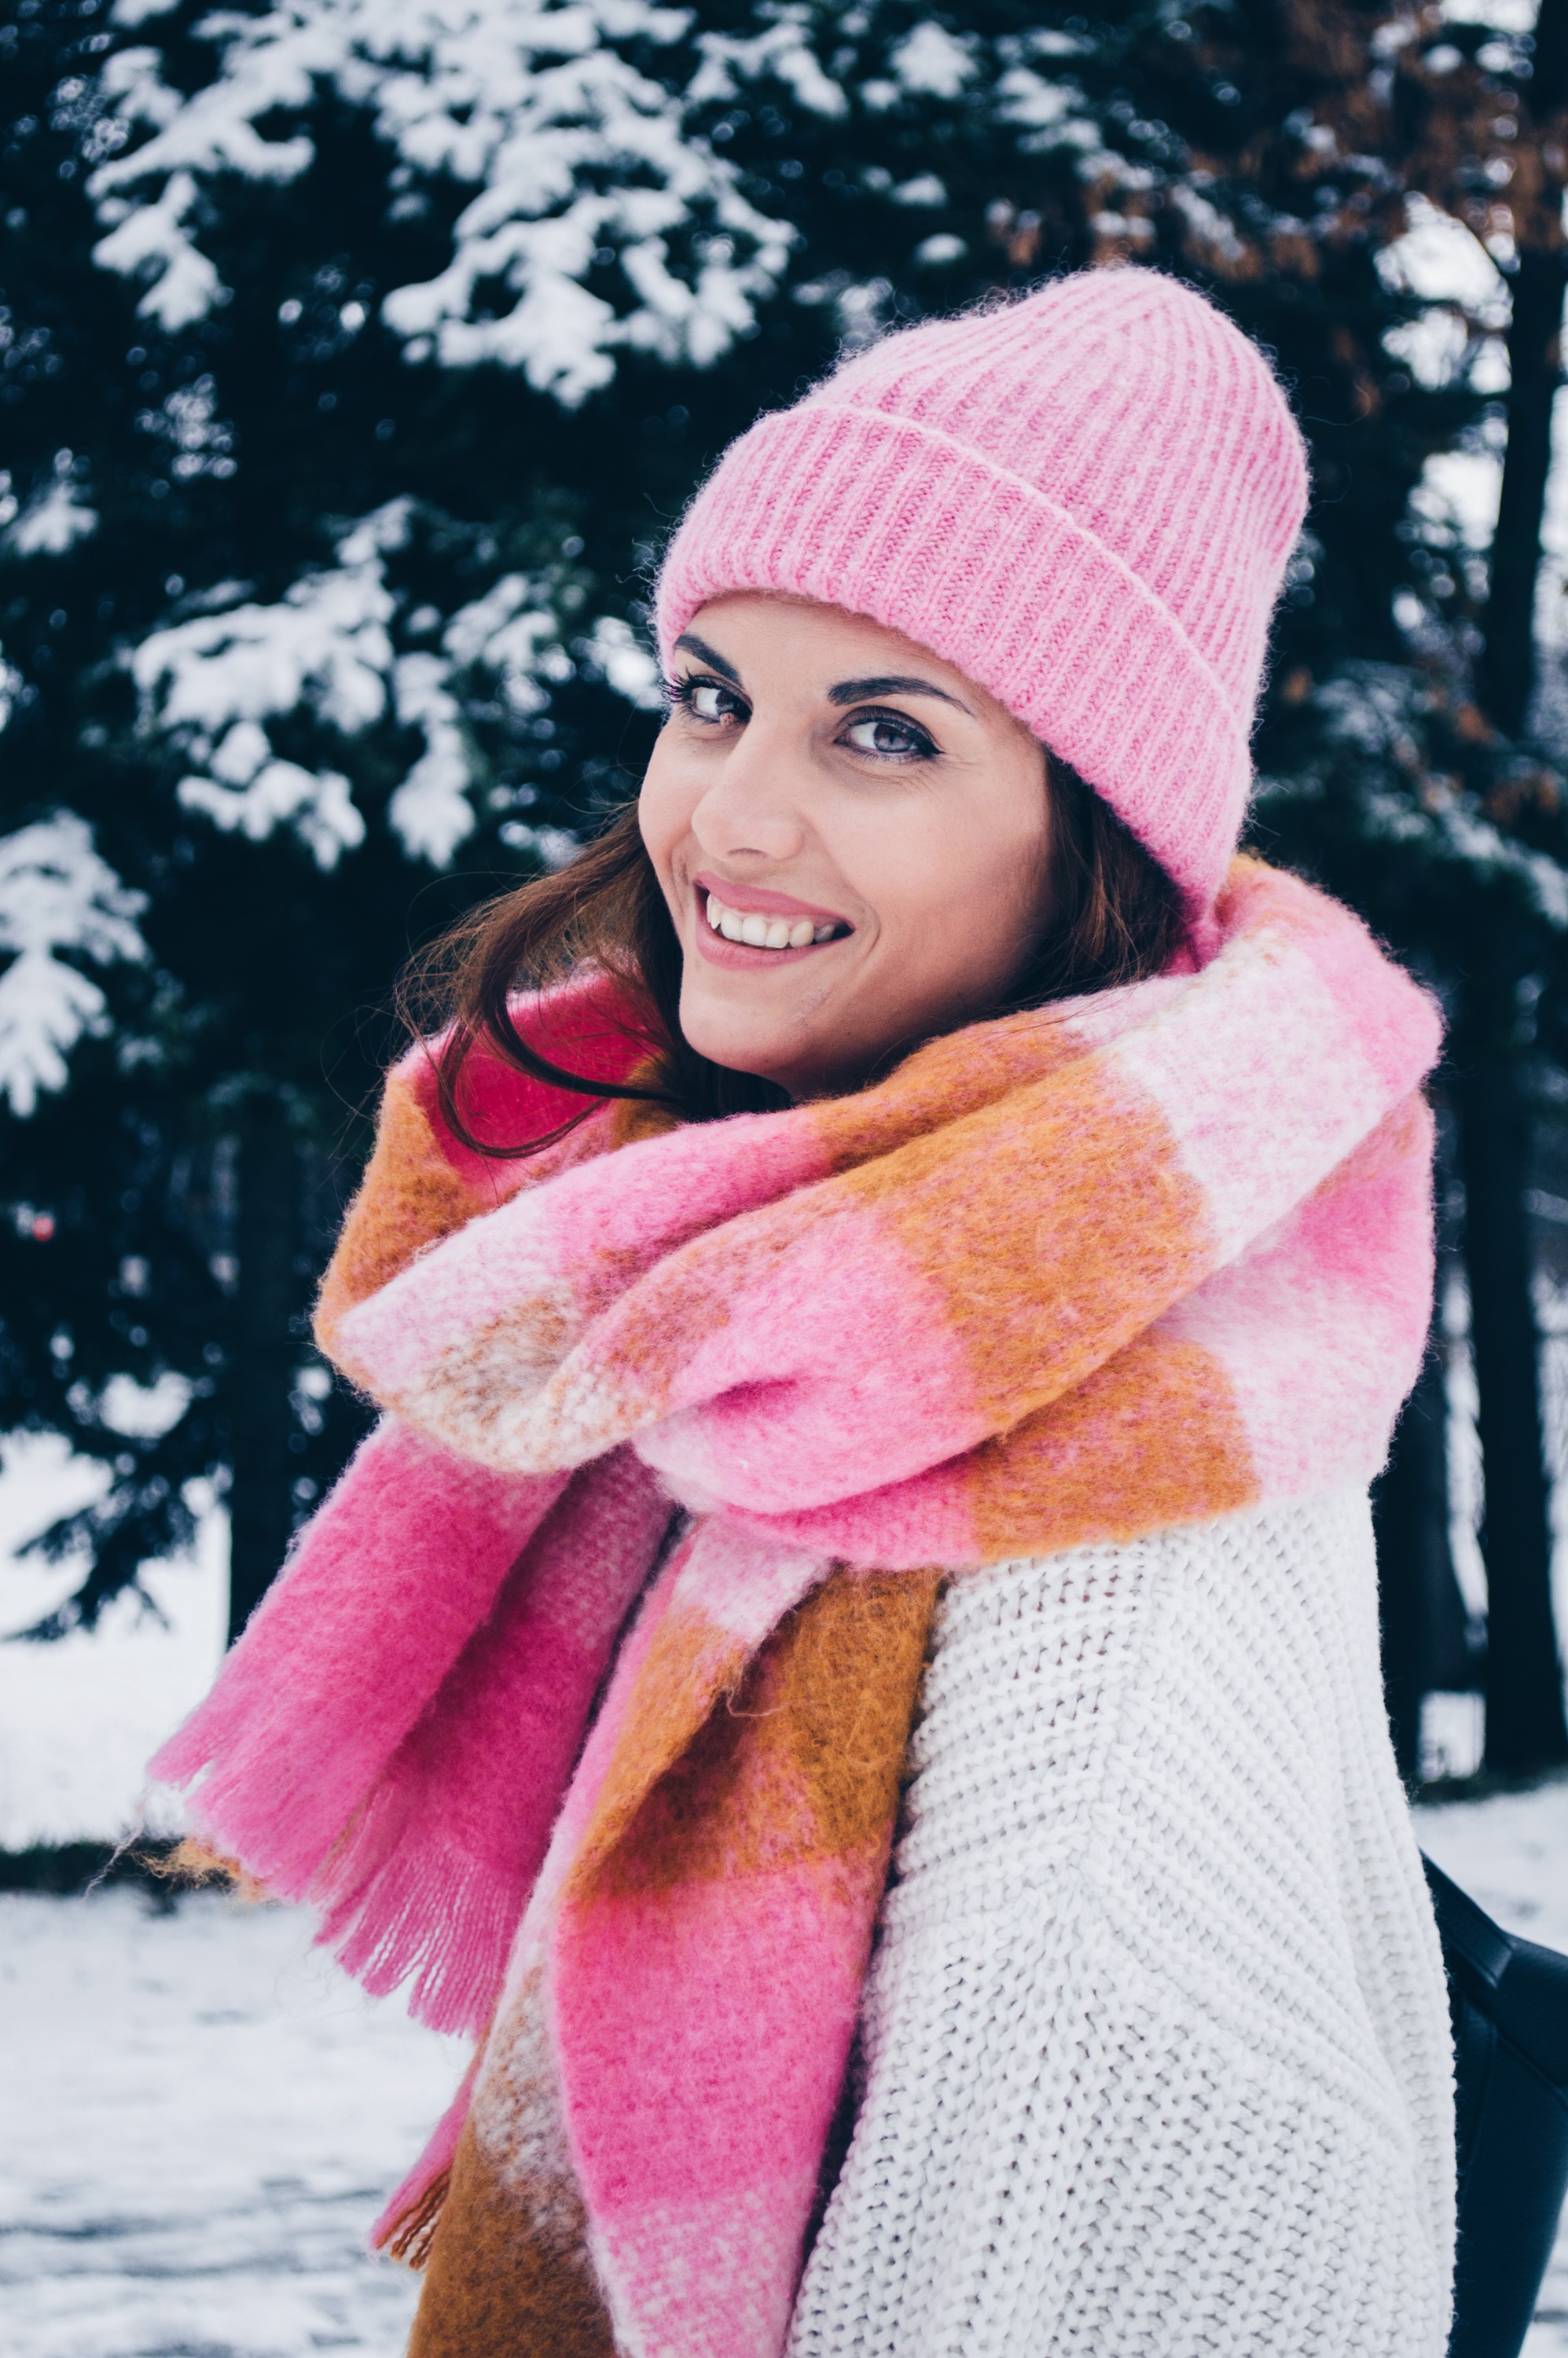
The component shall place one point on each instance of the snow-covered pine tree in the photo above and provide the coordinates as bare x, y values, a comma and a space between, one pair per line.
286, 627
362, 353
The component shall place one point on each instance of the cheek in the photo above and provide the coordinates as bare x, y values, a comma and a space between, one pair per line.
663, 808
961, 882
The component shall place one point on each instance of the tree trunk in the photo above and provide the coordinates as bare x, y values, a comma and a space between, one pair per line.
1508, 663
1525, 1724
262, 1467
1507, 667
1425, 1627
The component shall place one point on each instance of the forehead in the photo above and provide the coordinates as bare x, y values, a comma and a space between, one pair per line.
778, 632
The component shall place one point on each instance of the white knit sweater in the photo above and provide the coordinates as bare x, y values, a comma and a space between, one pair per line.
1155, 2049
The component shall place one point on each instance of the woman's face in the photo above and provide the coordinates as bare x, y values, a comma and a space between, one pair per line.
851, 837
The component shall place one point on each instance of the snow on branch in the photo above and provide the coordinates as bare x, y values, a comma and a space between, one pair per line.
219, 684
54, 519
214, 682
56, 893
580, 159
13, 689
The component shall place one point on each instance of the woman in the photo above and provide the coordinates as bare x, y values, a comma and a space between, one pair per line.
983, 1408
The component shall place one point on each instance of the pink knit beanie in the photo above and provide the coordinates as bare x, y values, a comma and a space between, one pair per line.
1084, 501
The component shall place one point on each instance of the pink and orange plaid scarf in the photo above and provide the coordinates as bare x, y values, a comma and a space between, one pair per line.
1135, 1259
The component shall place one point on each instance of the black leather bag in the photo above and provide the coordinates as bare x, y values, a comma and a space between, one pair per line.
1509, 2001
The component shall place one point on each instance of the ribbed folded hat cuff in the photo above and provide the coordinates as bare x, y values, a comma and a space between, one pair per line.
977, 565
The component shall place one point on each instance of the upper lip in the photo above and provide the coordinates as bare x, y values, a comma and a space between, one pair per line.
756, 901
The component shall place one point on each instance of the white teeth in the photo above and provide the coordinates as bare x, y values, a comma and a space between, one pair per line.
766, 932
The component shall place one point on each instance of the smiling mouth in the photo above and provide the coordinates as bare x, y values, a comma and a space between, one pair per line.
757, 932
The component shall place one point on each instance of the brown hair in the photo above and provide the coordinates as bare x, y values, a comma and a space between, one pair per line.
1115, 918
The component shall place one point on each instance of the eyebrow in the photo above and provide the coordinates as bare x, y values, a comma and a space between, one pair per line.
861, 691
845, 691
709, 655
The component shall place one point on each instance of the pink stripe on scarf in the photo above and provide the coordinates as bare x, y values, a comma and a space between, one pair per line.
687, 2086
418, 1831
348, 1648
439, 1895
876, 1378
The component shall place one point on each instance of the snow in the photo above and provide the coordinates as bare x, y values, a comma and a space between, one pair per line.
626, 664
731, 60
203, 2119
1377, 708
935, 253
574, 151
925, 189
934, 62
1504, 16
187, 420
151, 242
54, 520
211, 682
1511, 1853
430, 809
216, 683
1442, 261
12, 687
56, 893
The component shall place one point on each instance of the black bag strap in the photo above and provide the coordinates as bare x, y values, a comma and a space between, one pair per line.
1523, 1986
1467, 1932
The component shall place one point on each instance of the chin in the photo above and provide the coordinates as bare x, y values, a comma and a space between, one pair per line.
739, 1045
738, 1051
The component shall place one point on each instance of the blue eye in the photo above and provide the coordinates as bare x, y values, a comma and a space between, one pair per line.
892, 738
707, 700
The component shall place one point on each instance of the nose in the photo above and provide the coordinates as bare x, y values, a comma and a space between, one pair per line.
753, 808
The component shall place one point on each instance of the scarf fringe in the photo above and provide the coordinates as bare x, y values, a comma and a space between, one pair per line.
194, 1867
430, 1915
407, 2234
398, 1902
406, 2228
243, 1807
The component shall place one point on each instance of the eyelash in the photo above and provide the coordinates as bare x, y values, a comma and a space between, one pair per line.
681, 695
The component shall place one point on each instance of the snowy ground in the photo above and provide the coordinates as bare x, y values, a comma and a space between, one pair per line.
202, 2115
202, 2121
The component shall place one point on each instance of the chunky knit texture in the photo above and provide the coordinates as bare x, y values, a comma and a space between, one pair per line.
1156, 2055
1139, 1260
1085, 500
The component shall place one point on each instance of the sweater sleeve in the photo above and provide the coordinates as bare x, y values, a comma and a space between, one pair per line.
1130, 2077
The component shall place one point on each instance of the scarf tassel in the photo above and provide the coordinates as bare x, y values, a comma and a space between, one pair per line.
424, 1912
408, 2234
406, 2228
